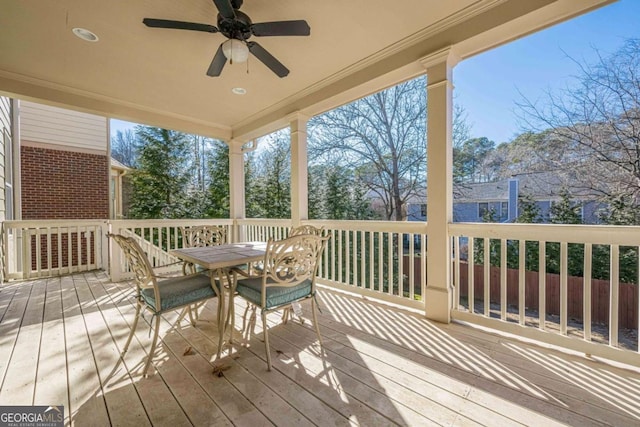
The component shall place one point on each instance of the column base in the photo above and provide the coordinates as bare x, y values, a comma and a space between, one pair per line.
439, 302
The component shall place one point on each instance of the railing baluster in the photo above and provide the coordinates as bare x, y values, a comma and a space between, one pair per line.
390, 258
542, 285
363, 259
487, 277
59, 242
411, 265
38, 253
614, 295
563, 287
347, 255
586, 300
371, 262
521, 282
470, 276
380, 260
354, 259
456, 272
49, 261
340, 250
503, 279
423, 266
400, 264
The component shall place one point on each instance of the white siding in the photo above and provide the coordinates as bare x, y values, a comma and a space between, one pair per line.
5, 137
51, 125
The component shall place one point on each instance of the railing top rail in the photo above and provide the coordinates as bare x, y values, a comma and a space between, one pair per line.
574, 233
265, 222
44, 223
416, 227
128, 223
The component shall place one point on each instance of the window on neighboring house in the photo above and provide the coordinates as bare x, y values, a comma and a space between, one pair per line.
483, 208
423, 211
504, 210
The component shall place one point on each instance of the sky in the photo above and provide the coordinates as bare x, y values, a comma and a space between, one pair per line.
488, 84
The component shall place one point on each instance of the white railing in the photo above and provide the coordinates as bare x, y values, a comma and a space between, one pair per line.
157, 238
261, 230
44, 248
522, 283
380, 259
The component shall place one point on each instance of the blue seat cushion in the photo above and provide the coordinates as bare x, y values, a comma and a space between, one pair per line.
179, 291
251, 290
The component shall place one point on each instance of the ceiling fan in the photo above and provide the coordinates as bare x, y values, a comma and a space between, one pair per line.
238, 28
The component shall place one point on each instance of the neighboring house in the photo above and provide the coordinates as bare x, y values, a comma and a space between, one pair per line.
472, 201
57, 164
117, 185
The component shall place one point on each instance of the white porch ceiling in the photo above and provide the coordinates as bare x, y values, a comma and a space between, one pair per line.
157, 76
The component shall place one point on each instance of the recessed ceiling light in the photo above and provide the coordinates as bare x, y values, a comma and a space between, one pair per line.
239, 90
85, 34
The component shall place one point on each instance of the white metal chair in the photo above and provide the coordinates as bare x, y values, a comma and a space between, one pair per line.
199, 236
288, 312
160, 296
288, 275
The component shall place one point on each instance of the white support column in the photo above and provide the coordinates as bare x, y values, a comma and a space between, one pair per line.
439, 293
299, 177
236, 186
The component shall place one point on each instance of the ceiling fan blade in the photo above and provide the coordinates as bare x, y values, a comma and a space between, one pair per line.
225, 8
179, 25
268, 59
217, 64
281, 28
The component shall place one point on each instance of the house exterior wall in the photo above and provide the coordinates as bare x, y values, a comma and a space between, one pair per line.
60, 184
6, 134
5, 138
469, 211
73, 130
64, 163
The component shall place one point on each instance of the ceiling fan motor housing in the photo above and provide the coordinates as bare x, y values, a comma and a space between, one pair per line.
238, 28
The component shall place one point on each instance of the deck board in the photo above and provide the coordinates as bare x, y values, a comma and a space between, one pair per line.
61, 339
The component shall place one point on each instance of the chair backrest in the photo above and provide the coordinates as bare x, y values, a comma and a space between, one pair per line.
204, 235
136, 259
306, 229
293, 260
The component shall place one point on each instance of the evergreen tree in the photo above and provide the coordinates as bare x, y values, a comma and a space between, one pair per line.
159, 184
337, 202
316, 191
528, 210
218, 188
565, 211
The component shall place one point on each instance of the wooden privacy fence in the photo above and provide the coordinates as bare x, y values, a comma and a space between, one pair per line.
628, 301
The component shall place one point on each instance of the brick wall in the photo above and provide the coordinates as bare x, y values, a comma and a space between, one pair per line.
60, 184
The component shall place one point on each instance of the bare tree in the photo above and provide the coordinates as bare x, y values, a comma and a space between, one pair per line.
382, 137
124, 147
596, 125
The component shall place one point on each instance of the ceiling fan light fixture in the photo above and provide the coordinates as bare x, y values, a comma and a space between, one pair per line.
85, 34
235, 50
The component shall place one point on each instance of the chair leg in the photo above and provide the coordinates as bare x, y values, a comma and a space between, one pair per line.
286, 313
153, 346
193, 321
133, 328
314, 309
266, 338
244, 318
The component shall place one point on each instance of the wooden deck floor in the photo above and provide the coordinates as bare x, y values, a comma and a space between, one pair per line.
60, 340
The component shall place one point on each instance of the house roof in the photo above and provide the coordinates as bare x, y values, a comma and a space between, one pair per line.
538, 185
157, 76
118, 166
